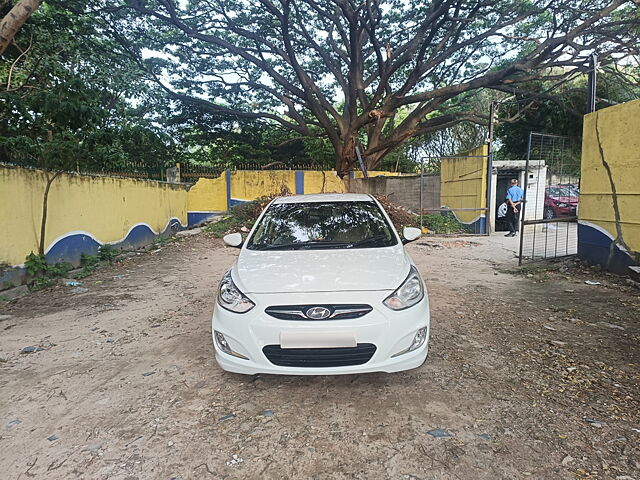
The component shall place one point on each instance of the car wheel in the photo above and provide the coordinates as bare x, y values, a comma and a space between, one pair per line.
548, 213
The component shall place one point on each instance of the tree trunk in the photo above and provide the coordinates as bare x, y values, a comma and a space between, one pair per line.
346, 156
45, 201
13, 20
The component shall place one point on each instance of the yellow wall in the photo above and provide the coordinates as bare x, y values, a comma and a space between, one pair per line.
463, 183
323, 182
208, 194
619, 131
104, 207
251, 184
375, 173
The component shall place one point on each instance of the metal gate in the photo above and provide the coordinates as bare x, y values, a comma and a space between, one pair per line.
462, 203
549, 216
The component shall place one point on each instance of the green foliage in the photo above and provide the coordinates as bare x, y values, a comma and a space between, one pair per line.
243, 215
559, 112
445, 224
44, 274
89, 263
35, 264
107, 253
226, 225
64, 99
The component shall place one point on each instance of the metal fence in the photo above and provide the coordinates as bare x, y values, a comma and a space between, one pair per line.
549, 221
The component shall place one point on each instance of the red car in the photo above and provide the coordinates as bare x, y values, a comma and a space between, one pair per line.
560, 201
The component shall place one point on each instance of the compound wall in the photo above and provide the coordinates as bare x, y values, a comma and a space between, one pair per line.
83, 213
463, 187
609, 211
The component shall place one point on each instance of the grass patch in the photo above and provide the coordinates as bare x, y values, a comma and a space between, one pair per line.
160, 241
444, 224
47, 274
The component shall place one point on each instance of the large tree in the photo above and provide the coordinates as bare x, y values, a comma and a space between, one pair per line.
14, 19
343, 69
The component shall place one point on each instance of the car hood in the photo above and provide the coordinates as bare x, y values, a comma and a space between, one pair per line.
321, 270
569, 200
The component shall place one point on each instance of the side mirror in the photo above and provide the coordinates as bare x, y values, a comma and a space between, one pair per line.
410, 234
233, 240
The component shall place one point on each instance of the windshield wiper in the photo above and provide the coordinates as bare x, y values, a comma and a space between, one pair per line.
302, 245
365, 241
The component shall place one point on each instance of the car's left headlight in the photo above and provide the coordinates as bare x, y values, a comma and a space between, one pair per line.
562, 204
407, 294
231, 298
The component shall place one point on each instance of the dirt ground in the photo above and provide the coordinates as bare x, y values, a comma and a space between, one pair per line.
528, 377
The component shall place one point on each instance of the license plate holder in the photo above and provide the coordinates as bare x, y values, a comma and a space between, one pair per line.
317, 339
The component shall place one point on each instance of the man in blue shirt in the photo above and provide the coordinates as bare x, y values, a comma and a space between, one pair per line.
514, 201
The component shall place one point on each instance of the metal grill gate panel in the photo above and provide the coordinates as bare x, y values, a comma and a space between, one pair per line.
549, 216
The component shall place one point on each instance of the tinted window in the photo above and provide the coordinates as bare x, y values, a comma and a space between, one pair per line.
294, 226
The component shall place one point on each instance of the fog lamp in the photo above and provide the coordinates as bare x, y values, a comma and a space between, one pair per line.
223, 345
418, 340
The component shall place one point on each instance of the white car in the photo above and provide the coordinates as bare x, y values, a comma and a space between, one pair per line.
322, 286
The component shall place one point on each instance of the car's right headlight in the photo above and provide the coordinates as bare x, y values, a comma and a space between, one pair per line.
407, 294
231, 298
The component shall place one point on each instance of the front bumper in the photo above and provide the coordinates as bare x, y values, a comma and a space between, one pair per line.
390, 331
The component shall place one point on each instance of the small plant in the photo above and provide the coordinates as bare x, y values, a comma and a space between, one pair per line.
107, 253
35, 264
44, 274
438, 223
41, 282
89, 264
227, 224
159, 241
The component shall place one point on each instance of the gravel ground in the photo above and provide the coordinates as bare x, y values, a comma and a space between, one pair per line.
530, 375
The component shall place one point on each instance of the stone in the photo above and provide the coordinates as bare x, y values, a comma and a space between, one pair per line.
567, 460
189, 233
13, 423
14, 293
30, 349
439, 433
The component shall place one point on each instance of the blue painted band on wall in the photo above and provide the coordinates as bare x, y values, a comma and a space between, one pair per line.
235, 201
594, 246
300, 183
71, 247
195, 218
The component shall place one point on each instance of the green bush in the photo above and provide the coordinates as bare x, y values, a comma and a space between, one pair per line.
107, 253
44, 274
438, 223
35, 264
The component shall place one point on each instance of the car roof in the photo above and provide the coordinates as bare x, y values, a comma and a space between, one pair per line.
324, 197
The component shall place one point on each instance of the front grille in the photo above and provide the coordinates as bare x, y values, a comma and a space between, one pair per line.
319, 357
336, 312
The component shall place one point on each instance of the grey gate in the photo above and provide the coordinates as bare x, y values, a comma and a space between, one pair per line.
549, 216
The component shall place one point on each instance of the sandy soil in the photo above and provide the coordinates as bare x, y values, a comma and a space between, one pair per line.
532, 376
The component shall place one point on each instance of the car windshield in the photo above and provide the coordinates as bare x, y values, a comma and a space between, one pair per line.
562, 192
320, 225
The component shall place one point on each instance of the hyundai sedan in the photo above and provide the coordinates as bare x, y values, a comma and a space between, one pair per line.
322, 285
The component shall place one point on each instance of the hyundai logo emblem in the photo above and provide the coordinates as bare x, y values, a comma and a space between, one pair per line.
317, 313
